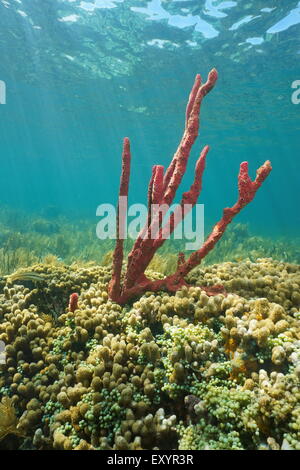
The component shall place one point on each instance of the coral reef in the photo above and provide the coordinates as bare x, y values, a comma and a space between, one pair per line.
172, 371
9, 423
21, 246
161, 193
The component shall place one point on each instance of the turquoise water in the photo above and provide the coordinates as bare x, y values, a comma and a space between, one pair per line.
82, 75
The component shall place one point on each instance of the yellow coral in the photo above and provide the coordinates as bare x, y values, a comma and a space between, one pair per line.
8, 419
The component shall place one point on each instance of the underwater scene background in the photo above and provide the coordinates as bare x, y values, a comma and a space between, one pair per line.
169, 370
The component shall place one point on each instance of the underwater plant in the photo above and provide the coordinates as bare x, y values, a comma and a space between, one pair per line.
22, 275
9, 423
161, 193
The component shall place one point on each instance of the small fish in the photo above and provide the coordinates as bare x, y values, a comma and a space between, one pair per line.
214, 290
25, 276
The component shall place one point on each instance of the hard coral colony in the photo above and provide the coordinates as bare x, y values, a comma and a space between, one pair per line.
161, 193
177, 369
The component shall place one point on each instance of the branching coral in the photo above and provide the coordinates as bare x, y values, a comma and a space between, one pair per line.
161, 193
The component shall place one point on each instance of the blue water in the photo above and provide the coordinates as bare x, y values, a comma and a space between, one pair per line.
82, 75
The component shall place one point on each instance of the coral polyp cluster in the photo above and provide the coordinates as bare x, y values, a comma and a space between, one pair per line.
171, 371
